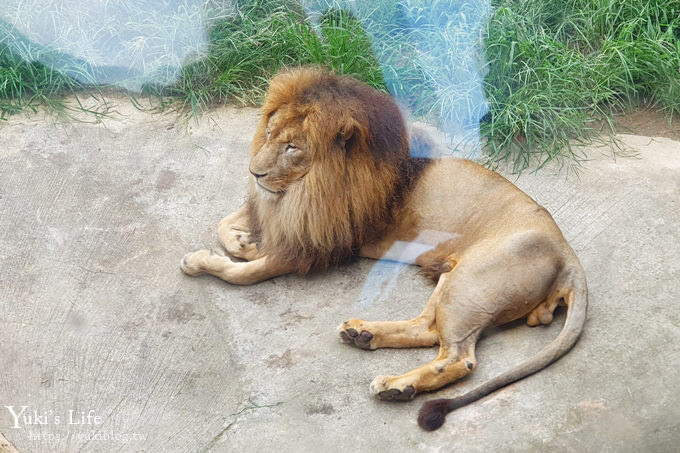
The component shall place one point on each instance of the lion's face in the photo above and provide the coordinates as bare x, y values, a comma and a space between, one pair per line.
283, 158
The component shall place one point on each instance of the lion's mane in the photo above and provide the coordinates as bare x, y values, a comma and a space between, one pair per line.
352, 194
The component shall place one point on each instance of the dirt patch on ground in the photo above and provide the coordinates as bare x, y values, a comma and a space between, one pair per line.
649, 122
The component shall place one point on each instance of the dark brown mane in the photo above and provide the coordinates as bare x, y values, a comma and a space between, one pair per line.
351, 195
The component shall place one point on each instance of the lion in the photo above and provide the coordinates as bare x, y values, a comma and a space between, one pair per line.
335, 174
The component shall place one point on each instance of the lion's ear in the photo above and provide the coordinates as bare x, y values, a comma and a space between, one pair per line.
348, 135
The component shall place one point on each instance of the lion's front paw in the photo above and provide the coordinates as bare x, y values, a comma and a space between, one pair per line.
236, 240
352, 332
392, 388
239, 245
194, 263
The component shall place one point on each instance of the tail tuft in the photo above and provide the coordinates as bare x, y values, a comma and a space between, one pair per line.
433, 414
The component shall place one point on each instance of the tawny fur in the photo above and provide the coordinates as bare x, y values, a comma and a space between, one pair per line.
333, 176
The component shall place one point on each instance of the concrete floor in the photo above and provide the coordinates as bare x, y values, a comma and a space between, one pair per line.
97, 320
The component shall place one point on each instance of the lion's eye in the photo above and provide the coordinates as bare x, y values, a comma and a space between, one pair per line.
268, 132
291, 147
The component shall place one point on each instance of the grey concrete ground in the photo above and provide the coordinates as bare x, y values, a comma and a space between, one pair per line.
115, 349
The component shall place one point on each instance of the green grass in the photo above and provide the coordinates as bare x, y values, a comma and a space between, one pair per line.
28, 85
557, 67
552, 70
263, 37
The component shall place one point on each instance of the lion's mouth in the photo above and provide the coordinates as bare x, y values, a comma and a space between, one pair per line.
269, 190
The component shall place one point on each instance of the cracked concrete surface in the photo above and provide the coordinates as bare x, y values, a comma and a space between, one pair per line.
100, 330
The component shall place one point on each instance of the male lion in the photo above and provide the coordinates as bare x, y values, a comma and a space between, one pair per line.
334, 175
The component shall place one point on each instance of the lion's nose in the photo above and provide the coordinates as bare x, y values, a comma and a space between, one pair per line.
257, 174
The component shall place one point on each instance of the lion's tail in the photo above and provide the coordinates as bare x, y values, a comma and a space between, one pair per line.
433, 413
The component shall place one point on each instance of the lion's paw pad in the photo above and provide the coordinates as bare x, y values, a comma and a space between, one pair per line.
381, 389
398, 395
352, 336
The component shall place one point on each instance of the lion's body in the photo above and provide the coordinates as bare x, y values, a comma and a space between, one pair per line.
332, 177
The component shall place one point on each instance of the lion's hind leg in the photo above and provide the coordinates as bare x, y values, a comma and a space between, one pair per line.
418, 332
488, 286
543, 313
413, 333
457, 335
453, 362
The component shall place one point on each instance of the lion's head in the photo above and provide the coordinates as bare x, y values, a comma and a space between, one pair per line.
329, 167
